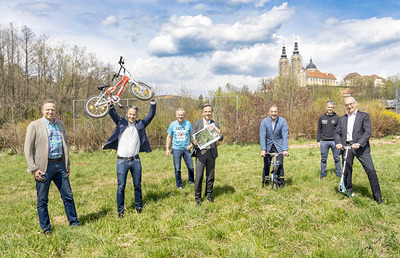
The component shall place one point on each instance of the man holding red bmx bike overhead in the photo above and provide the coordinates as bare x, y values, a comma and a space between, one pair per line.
129, 138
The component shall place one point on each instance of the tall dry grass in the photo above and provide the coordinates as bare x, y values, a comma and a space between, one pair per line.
91, 134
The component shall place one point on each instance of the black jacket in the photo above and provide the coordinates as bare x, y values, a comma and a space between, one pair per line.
326, 127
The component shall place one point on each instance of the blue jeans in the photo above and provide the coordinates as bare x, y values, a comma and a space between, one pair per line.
178, 154
123, 166
325, 145
57, 173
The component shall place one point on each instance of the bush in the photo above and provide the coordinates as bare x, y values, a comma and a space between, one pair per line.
384, 122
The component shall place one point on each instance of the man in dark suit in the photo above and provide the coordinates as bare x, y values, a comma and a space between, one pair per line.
355, 129
129, 138
205, 158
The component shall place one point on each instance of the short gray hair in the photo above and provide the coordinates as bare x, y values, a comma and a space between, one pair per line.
132, 107
330, 102
180, 109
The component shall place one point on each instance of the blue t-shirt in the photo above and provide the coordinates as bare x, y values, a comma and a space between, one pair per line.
180, 134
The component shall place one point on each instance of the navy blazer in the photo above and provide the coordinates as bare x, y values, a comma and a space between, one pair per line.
362, 131
279, 136
122, 124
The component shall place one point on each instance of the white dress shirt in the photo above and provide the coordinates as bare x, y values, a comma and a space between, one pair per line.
128, 142
350, 125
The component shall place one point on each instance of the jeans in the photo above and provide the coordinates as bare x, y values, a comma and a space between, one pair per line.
57, 173
177, 154
324, 147
123, 166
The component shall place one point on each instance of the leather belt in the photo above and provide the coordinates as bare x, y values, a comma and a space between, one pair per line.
349, 142
55, 160
129, 158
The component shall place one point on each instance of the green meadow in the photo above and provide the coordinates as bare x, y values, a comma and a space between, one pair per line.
308, 217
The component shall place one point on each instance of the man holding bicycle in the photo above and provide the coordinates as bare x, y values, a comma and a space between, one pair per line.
274, 138
129, 138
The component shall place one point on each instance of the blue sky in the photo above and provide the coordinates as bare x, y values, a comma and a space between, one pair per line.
200, 45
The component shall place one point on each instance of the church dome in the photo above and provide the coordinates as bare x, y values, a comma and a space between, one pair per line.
311, 65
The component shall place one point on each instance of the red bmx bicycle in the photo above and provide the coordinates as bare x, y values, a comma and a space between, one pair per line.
98, 105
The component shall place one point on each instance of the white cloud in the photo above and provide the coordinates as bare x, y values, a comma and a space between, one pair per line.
111, 21
258, 60
368, 46
190, 35
37, 8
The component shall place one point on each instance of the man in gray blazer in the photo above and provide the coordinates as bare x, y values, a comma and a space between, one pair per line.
46, 152
205, 158
355, 129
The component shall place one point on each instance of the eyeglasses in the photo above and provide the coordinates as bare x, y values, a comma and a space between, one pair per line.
349, 104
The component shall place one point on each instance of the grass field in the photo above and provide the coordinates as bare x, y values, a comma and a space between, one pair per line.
308, 217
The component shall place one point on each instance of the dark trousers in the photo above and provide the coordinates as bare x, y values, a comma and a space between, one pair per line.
366, 161
267, 165
204, 159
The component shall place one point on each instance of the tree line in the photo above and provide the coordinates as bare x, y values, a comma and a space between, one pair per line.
33, 68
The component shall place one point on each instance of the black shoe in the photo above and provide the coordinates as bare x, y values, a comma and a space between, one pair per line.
47, 232
379, 200
198, 203
210, 199
121, 215
139, 210
265, 182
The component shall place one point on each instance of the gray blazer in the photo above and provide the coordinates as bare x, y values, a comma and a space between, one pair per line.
197, 126
37, 145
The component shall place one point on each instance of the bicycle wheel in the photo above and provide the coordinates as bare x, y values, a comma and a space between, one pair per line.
97, 106
141, 90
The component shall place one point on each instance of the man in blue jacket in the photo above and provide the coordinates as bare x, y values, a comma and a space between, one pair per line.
274, 137
129, 138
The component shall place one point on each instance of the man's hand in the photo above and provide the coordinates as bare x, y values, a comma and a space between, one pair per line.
38, 175
190, 146
167, 153
318, 145
263, 153
194, 141
218, 131
68, 170
339, 146
355, 146
285, 153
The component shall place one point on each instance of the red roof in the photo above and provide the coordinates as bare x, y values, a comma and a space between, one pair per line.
351, 76
318, 74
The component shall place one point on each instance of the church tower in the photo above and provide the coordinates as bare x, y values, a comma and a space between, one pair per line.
284, 65
296, 59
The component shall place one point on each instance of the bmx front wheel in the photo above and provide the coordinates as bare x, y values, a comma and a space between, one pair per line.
141, 90
96, 106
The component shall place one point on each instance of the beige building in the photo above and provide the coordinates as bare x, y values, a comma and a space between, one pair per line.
306, 76
352, 79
